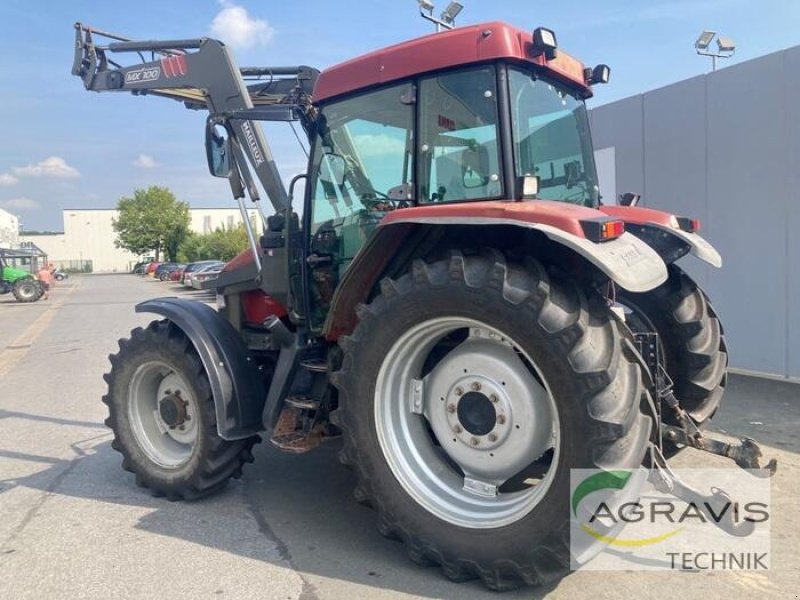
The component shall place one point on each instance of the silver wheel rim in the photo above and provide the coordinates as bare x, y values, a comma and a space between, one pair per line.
27, 290
457, 466
168, 446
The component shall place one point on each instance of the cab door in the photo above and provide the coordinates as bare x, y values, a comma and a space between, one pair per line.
362, 166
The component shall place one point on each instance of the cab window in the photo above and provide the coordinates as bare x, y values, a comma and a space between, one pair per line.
458, 151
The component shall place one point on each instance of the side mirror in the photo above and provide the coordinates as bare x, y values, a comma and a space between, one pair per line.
332, 168
218, 150
629, 199
475, 167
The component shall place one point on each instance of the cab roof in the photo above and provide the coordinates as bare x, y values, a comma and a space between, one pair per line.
461, 46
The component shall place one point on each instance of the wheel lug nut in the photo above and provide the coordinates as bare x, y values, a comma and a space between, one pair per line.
492, 437
459, 391
501, 419
451, 408
493, 397
457, 429
476, 386
474, 441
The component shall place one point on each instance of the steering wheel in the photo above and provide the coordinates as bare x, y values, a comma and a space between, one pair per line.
377, 200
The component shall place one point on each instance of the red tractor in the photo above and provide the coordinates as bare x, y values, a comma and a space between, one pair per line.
450, 296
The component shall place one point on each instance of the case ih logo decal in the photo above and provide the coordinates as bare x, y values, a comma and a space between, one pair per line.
174, 66
142, 75
255, 151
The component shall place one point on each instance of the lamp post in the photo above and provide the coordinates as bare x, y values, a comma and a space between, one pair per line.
725, 47
447, 20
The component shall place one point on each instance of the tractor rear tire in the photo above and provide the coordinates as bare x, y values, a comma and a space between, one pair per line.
571, 349
27, 290
162, 413
692, 339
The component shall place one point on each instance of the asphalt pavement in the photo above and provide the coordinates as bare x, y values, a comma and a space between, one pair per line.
74, 525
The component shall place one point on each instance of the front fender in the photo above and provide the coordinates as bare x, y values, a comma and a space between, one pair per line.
236, 384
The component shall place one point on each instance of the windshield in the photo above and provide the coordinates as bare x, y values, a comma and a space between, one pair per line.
551, 139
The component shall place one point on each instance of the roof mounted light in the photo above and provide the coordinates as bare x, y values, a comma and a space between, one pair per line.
544, 42
600, 74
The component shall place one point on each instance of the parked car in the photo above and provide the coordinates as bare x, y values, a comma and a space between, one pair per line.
151, 269
60, 275
164, 269
177, 274
206, 274
140, 267
192, 267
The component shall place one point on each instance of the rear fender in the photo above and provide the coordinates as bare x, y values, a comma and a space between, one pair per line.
627, 260
659, 230
236, 384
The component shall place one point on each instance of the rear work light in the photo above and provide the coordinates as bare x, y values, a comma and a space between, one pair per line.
602, 229
544, 42
688, 224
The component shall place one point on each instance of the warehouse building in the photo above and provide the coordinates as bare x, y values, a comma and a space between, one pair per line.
9, 230
724, 147
88, 239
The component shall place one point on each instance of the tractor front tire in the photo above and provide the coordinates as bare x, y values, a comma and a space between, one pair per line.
162, 413
27, 290
458, 375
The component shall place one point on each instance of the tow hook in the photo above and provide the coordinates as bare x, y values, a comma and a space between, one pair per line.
745, 453
714, 506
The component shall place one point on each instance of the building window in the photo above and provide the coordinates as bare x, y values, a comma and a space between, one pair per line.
230, 222
207, 224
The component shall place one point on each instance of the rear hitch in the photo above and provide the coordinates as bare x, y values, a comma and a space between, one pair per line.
714, 506
745, 453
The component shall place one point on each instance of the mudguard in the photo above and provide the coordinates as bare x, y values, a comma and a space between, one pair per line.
648, 221
236, 384
698, 246
627, 260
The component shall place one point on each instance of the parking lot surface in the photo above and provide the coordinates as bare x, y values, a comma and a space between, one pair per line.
74, 525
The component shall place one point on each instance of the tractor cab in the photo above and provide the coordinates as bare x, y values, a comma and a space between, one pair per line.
488, 113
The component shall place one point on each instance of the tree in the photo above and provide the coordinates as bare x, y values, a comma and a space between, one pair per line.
221, 244
153, 220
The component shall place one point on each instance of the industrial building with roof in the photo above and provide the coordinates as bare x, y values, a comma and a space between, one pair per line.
88, 240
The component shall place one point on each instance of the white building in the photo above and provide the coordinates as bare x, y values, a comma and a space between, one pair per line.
89, 236
9, 230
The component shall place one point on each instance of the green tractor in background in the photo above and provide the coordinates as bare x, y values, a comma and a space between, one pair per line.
24, 286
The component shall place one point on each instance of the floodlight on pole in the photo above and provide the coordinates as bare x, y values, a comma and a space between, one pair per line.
447, 20
725, 47
704, 40
451, 12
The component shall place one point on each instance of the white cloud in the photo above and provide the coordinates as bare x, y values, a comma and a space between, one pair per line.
144, 161
234, 26
54, 166
19, 204
7, 179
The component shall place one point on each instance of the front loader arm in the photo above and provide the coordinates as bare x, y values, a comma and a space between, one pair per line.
199, 72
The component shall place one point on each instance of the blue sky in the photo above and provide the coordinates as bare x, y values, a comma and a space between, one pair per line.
67, 148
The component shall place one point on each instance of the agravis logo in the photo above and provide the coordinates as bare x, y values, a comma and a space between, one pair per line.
610, 480
627, 521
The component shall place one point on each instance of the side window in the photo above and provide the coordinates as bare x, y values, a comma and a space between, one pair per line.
458, 150
362, 156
